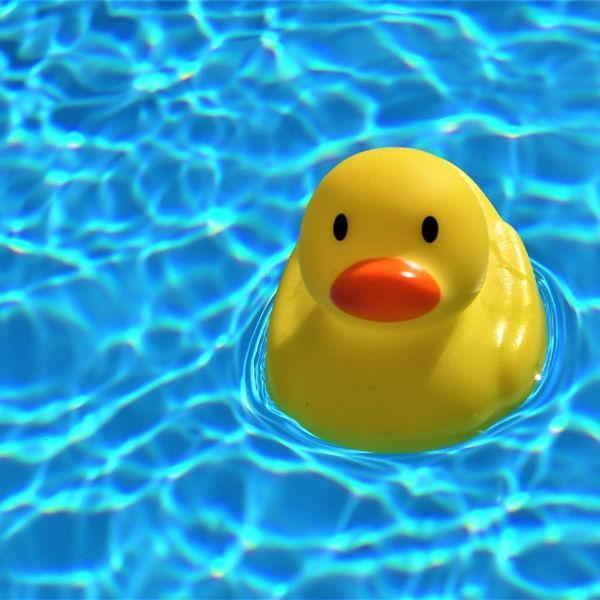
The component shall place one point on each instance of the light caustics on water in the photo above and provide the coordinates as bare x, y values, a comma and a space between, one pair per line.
155, 161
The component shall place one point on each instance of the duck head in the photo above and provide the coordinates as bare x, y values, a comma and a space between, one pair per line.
394, 236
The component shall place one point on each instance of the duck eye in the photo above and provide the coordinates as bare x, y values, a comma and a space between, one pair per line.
429, 229
340, 227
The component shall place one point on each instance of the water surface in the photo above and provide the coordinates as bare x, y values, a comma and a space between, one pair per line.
155, 161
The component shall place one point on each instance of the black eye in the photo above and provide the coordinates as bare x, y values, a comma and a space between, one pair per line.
429, 229
340, 227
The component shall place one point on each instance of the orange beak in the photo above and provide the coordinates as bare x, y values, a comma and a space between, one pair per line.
385, 289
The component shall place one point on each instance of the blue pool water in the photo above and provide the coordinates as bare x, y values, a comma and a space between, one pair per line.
155, 160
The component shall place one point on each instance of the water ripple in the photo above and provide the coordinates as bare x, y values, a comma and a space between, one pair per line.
155, 164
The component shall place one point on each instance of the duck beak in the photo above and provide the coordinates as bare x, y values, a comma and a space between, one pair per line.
385, 289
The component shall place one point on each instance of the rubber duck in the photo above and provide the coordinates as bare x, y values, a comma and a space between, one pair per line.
408, 317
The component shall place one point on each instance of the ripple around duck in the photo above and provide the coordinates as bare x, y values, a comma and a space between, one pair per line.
267, 418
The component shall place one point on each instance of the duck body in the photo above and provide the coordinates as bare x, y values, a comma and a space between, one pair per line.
408, 316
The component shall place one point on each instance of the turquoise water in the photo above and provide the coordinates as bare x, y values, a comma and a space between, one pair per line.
155, 160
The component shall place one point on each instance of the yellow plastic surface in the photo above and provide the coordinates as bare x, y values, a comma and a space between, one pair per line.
419, 383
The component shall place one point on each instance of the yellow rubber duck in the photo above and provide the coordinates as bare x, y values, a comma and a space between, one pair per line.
408, 316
